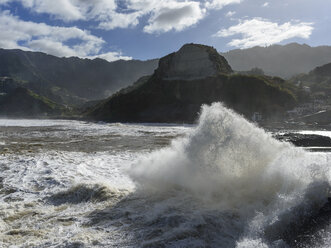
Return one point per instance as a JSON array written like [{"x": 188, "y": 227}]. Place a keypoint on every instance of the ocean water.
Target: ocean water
[{"x": 221, "y": 183}]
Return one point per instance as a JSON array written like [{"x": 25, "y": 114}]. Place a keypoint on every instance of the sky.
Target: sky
[{"x": 147, "y": 29}]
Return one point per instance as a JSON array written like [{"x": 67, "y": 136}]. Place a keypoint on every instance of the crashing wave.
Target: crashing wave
[{"x": 229, "y": 164}]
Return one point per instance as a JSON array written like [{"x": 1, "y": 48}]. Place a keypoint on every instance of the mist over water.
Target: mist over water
[{"x": 222, "y": 183}]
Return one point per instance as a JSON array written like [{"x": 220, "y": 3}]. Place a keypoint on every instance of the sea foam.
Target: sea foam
[{"x": 232, "y": 165}]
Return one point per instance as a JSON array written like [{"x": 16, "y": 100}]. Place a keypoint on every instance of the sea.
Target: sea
[{"x": 222, "y": 182}]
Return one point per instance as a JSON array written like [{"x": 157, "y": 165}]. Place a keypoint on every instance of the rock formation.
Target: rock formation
[
  {"x": 305, "y": 140},
  {"x": 185, "y": 80},
  {"x": 191, "y": 62}
]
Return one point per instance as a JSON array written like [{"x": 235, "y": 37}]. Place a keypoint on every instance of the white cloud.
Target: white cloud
[
  {"x": 167, "y": 15},
  {"x": 119, "y": 20},
  {"x": 110, "y": 56},
  {"x": 219, "y": 4},
  {"x": 61, "y": 9},
  {"x": 54, "y": 40},
  {"x": 162, "y": 15},
  {"x": 261, "y": 32},
  {"x": 70, "y": 10},
  {"x": 266, "y": 4},
  {"x": 174, "y": 16},
  {"x": 51, "y": 47},
  {"x": 230, "y": 13}
]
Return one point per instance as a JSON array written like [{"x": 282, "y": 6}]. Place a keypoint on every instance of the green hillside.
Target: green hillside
[{"x": 23, "y": 102}]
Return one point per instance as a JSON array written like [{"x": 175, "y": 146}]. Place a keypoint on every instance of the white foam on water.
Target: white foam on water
[
  {"x": 50, "y": 194},
  {"x": 89, "y": 128},
  {"x": 48, "y": 191},
  {"x": 226, "y": 183}
]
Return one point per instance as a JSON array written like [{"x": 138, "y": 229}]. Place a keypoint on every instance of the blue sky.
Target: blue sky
[{"x": 146, "y": 29}]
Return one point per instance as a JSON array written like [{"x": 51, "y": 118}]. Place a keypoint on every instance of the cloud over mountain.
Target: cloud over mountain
[
  {"x": 163, "y": 15},
  {"x": 159, "y": 16},
  {"x": 262, "y": 32},
  {"x": 55, "y": 40},
  {"x": 145, "y": 29}
]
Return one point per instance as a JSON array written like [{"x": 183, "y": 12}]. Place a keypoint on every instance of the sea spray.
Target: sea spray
[
  {"x": 232, "y": 165},
  {"x": 225, "y": 157}
]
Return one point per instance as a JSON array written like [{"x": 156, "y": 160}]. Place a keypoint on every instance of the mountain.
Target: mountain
[
  {"x": 322, "y": 71},
  {"x": 22, "y": 102},
  {"x": 71, "y": 80},
  {"x": 318, "y": 80},
  {"x": 8, "y": 85},
  {"x": 277, "y": 60},
  {"x": 192, "y": 61},
  {"x": 318, "y": 77},
  {"x": 186, "y": 79}
]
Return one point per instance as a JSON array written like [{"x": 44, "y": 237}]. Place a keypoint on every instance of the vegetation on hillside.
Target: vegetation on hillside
[
  {"x": 156, "y": 100},
  {"x": 23, "y": 102},
  {"x": 318, "y": 81}
]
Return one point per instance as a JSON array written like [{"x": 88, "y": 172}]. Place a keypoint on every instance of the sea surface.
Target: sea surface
[{"x": 223, "y": 182}]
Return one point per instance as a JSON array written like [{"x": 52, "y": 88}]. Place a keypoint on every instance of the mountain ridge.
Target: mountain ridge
[
  {"x": 279, "y": 60},
  {"x": 83, "y": 78}
]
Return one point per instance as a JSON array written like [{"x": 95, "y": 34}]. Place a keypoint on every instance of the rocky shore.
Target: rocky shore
[{"x": 305, "y": 140}]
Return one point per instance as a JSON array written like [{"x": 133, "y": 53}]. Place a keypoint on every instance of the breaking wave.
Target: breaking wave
[{"x": 230, "y": 167}]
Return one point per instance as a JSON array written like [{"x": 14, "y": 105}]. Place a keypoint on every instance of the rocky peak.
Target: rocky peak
[{"x": 192, "y": 61}]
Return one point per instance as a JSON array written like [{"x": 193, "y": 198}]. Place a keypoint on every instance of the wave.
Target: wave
[{"x": 230, "y": 165}]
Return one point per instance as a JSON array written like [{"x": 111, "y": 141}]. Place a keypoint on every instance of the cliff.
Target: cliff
[
  {"x": 175, "y": 92},
  {"x": 191, "y": 62}
]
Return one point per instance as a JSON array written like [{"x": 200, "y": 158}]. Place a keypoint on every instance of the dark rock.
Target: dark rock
[
  {"x": 306, "y": 140},
  {"x": 192, "y": 61}
]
